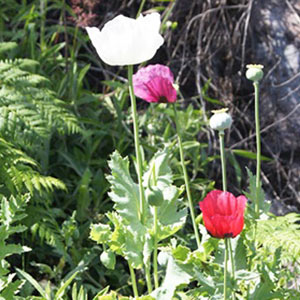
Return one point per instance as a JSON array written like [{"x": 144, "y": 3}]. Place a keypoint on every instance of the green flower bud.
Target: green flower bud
[
  {"x": 154, "y": 196},
  {"x": 254, "y": 72},
  {"x": 221, "y": 120},
  {"x": 108, "y": 259}
]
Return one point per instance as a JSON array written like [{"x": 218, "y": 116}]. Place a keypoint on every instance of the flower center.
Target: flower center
[
  {"x": 163, "y": 99},
  {"x": 228, "y": 235}
]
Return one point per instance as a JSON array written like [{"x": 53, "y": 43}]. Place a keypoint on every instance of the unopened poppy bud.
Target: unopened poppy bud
[
  {"x": 108, "y": 259},
  {"x": 254, "y": 72},
  {"x": 154, "y": 196},
  {"x": 221, "y": 120}
]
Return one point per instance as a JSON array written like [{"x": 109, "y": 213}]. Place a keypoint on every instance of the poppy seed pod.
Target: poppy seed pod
[
  {"x": 223, "y": 213},
  {"x": 254, "y": 72},
  {"x": 154, "y": 83},
  {"x": 221, "y": 120},
  {"x": 126, "y": 41}
]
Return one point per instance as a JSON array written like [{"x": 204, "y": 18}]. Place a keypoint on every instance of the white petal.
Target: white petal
[{"x": 126, "y": 41}]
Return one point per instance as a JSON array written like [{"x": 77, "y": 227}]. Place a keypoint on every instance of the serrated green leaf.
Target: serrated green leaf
[
  {"x": 181, "y": 253},
  {"x": 124, "y": 191},
  {"x": 126, "y": 242},
  {"x": 171, "y": 217},
  {"x": 176, "y": 275},
  {"x": 252, "y": 194},
  {"x": 100, "y": 233}
]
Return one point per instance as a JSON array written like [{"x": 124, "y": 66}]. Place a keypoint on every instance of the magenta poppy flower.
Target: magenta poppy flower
[
  {"x": 154, "y": 83},
  {"x": 223, "y": 213}
]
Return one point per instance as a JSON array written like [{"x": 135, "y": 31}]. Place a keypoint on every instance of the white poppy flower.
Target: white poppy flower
[{"x": 126, "y": 41}]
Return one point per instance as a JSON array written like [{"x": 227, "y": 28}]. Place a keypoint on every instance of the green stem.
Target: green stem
[
  {"x": 133, "y": 281},
  {"x": 43, "y": 10},
  {"x": 232, "y": 265},
  {"x": 231, "y": 259},
  {"x": 148, "y": 276},
  {"x": 225, "y": 268},
  {"x": 223, "y": 161},
  {"x": 186, "y": 179},
  {"x": 137, "y": 146},
  {"x": 258, "y": 146},
  {"x": 228, "y": 246},
  {"x": 155, "y": 273},
  {"x": 140, "y": 8}
]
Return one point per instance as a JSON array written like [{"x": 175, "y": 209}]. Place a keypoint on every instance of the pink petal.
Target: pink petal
[{"x": 154, "y": 83}]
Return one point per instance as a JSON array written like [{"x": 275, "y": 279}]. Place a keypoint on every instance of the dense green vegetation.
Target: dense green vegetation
[{"x": 59, "y": 127}]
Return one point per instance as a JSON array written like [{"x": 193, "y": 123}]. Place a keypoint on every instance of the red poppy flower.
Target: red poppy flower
[
  {"x": 223, "y": 214},
  {"x": 154, "y": 83}
]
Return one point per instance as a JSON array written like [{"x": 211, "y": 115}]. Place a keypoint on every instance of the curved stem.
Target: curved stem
[
  {"x": 223, "y": 161},
  {"x": 133, "y": 281},
  {"x": 137, "y": 146},
  {"x": 186, "y": 179},
  {"x": 258, "y": 146},
  {"x": 225, "y": 268}
]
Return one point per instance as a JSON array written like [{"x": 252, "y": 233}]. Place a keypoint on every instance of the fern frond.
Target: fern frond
[
  {"x": 19, "y": 172},
  {"x": 29, "y": 110},
  {"x": 30, "y": 113},
  {"x": 281, "y": 232},
  {"x": 7, "y": 47}
]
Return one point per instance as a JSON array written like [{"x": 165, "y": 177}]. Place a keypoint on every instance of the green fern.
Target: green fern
[
  {"x": 7, "y": 47},
  {"x": 281, "y": 232},
  {"x": 27, "y": 104},
  {"x": 18, "y": 172},
  {"x": 30, "y": 114},
  {"x": 11, "y": 213}
]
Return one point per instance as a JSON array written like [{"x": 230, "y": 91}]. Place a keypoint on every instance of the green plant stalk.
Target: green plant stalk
[
  {"x": 258, "y": 146},
  {"x": 232, "y": 265},
  {"x": 43, "y": 11},
  {"x": 148, "y": 276},
  {"x": 223, "y": 161},
  {"x": 137, "y": 147},
  {"x": 155, "y": 273},
  {"x": 224, "y": 182},
  {"x": 225, "y": 268},
  {"x": 133, "y": 281},
  {"x": 232, "y": 259},
  {"x": 186, "y": 179},
  {"x": 140, "y": 8}
]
